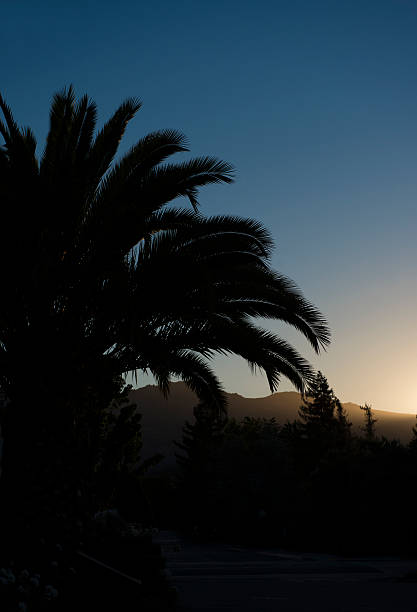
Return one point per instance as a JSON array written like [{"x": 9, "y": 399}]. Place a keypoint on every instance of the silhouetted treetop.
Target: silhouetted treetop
[{"x": 369, "y": 422}]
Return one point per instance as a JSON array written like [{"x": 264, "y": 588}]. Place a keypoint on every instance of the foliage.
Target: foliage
[
  {"x": 118, "y": 466},
  {"x": 221, "y": 465},
  {"x": 116, "y": 281},
  {"x": 370, "y": 422},
  {"x": 321, "y": 409},
  {"x": 323, "y": 423},
  {"x": 413, "y": 441},
  {"x": 312, "y": 483},
  {"x": 102, "y": 275}
]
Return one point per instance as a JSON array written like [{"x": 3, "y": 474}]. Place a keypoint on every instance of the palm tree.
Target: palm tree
[{"x": 101, "y": 276}]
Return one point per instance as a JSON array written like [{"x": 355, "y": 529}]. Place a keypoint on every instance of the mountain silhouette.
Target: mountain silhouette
[{"x": 163, "y": 417}]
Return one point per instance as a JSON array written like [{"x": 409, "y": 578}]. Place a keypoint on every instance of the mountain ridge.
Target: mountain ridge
[{"x": 164, "y": 417}]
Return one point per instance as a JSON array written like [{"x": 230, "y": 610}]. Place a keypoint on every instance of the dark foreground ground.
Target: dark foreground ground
[{"x": 226, "y": 577}]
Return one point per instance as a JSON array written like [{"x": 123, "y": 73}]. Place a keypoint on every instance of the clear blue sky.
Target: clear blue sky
[{"x": 314, "y": 102}]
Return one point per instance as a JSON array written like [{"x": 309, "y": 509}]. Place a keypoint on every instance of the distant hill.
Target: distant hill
[{"x": 163, "y": 419}]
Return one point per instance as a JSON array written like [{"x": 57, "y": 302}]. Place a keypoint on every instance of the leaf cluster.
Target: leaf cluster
[{"x": 99, "y": 270}]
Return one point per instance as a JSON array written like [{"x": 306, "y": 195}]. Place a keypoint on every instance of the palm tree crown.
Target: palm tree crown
[{"x": 100, "y": 273}]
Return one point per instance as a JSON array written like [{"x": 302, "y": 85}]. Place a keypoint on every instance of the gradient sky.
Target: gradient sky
[{"x": 314, "y": 102}]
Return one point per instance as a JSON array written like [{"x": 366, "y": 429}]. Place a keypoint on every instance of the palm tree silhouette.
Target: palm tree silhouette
[
  {"x": 101, "y": 275},
  {"x": 104, "y": 268}
]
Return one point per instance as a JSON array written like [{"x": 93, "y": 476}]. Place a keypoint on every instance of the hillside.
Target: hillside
[{"x": 163, "y": 419}]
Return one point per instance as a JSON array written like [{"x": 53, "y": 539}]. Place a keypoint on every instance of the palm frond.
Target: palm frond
[
  {"x": 12, "y": 128},
  {"x": 108, "y": 139},
  {"x": 185, "y": 178},
  {"x": 147, "y": 153},
  {"x": 85, "y": 117},
  {"x": 195, "y": 372},
  {"x": 60, "y": 119},
  {"x": 20, "y": 144}
]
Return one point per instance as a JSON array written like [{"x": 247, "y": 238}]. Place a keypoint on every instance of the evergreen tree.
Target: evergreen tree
[
  {"x": 370, "y": 422},
  {"x": 199, "y": 441},
  {"x": 322, "y": 414},
  {"x": 199, "y": 464},
  {"x": 413, "y": 442},
  {"x": 342, "y": 419}
]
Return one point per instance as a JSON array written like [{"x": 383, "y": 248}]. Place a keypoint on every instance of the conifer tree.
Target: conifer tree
[
  {"x": 198, "y": 462},
  {"x": 199, "y": 441},
  {"x": 413, "y": 442},
  {"x": 322, "y": 414},
  {"x": 369, "y": 426}
]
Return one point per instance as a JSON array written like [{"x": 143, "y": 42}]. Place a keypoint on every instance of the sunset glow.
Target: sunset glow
[{"x": 319, "y": 117}]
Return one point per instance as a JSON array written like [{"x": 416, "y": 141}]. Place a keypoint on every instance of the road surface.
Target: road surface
[{"x": 226, "y": 577}]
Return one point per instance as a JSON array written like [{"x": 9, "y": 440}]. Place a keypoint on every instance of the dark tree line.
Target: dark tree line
[{"x": 310, "y": 483}]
